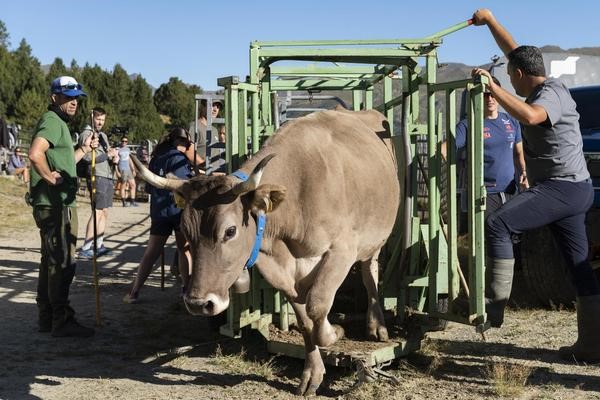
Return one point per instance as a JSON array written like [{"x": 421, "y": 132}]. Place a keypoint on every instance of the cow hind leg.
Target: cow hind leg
[
  {"x": 330, "y": 274},
  {"x": 376, "y": 329}
]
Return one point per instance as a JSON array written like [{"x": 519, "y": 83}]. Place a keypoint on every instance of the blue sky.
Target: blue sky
[{"x": 199, "y": 41}]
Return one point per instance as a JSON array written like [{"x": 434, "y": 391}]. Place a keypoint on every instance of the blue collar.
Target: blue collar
[{"x": 261, "y": 221}]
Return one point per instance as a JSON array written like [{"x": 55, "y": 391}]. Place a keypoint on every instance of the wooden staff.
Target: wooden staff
[{"x": 95, "y": 246}]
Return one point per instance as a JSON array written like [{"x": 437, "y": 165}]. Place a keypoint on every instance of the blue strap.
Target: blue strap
[
  {"x": 239, "y": 174},
  {"x": 260, "y": 228}
]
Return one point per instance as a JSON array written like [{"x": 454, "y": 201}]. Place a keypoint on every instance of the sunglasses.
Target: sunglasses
[{"x": 72, "y": 86}]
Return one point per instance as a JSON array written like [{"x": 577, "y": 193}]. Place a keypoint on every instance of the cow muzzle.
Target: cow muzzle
[{"x": 206, "y": 306}]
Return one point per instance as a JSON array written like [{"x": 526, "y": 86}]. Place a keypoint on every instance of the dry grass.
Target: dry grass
[
  {"x": 508, "y": 379},
  {"x": 15, "y": 214},
  {"x": 237, "y": 364},
  {"x": 433, "y": 350}
]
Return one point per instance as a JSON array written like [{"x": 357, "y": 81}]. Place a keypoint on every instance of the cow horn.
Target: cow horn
[
  {"x": 254, "y": 179},
  {"x": 155, "y": 180}
]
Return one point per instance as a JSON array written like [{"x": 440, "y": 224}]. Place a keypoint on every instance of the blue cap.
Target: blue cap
[{"x": 68, "y": 86}]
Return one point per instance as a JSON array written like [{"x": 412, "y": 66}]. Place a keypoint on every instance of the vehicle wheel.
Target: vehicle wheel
[{"x": 544, "y": 269}]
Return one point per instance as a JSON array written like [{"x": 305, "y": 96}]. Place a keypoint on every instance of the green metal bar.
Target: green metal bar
[
  {"x": 476, "y": 200},
  {"x": 232, "y": 125},
  {"x": 432, "y": 187},
  {"x": 451, "y": 29},
  {"x": 242, "y": 126},
  {"x": 265, "y": 98},
  {"x": 388, "y": 94},
  {"x": 356, "y": 99},
  {"x": 318, "y": 84},
  {"x": 369, "y": 98},
  {"x": 453, "y": 275},
  {"x": 441, "y": 267},
  {"x": 248, "y": 87},
  {"x": 366, "y": 42},
  {"x": 450, "y": 85},
  {"x": 254, "y": 79},
  {"x": 306, "y": 53},
  {"x": 389, "y": 105},
  {"x": 338, "y": 70}
]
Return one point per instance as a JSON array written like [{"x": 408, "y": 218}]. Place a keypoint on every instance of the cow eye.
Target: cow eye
[{"x": 229, "y": 233}]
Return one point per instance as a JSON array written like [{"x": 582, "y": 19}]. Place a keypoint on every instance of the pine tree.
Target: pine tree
[{"x": 175, "y": 99}]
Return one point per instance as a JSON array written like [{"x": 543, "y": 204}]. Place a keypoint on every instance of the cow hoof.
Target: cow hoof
[{"x": 309, "y": 383}]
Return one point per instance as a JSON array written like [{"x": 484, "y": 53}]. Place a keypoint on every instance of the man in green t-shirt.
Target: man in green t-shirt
[{"x": 53, "y": 189}]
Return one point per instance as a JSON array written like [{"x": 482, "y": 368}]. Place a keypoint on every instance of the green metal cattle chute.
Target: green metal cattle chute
[{"x": 421, "y": 273}]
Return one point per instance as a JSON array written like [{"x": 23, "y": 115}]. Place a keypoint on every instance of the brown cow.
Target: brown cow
[{"x": 330, "y": 194}]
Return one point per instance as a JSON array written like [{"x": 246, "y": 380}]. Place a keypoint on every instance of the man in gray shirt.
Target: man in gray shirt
[{"x": 561, "y": 191}]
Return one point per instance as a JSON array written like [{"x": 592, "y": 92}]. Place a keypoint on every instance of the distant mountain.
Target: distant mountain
[{"x": 585, "y": 51}]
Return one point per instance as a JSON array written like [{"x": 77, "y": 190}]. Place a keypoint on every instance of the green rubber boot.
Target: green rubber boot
[
  {"x": 587, "y": 346},
  {"x": 498, "y": 284}
]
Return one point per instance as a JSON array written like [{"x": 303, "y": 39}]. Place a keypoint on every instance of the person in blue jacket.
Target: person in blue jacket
[{"x": 168, "y": 157}]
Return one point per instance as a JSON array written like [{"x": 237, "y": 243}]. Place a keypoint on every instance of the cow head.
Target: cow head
[{"x": 219, "y": 222}]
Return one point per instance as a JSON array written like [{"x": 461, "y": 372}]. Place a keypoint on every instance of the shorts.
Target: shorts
[
  {"x": 165, "y": 226},
  {"x": 126, "y": 176},
  {"x": 105, "y": 190}
]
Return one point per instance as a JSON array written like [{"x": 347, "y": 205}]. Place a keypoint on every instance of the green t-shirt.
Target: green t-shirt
[{"x": 60, "y": 157}]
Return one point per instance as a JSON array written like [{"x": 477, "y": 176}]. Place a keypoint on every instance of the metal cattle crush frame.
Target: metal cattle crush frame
[{"x": 421, "y": 273}]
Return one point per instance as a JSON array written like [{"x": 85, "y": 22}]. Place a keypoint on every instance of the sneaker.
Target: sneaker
[
  {"x": 134, "y": 204},
  {"x": 125, "y": 204},
  {"x": 72, "y": 328},
  {"x": 102, "y": 251},
  {"x": 85, "y": 254},
  {"x": 130, "y": 298}
]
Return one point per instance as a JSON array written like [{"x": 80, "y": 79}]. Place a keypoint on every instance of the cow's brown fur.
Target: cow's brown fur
[{"x": 330, "y": 195}]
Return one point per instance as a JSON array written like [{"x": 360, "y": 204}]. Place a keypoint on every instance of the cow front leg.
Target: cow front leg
[
  {"x": 376, "y": 329},
  {"x": 314, "y": 369},
  {"x": 329, "y": 275}
]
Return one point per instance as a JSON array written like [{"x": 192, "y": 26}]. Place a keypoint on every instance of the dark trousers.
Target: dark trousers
[
  {"x": 560, "y": 204},
  {"x": 58, "y": 234}
]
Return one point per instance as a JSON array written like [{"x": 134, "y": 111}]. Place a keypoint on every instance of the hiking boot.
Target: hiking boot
[
  {"x": 72, "y": 328},
  {"x": 85, "y": 254}
]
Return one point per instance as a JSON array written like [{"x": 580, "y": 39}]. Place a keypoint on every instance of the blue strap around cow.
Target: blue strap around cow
[
  {"x": 239, "y": 174},
  {"x": 260, "y": 227},
  {"x": 261, "y": 221}
]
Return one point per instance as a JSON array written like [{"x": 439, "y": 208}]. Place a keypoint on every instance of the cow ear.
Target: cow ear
[{"x": 267, "y": 198}]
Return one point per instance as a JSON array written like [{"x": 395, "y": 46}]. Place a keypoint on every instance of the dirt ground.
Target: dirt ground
[{"x": 155, "y": 350}]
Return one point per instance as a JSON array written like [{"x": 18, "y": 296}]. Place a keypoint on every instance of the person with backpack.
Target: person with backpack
[{"x": 106, "y": 158}]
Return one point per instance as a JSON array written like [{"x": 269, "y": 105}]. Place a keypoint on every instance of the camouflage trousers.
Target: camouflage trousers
[{"x": 58, "y": 234}]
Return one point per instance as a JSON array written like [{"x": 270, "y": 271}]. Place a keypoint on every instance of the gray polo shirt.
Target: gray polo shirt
[{"x": 554, "y": 149}]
